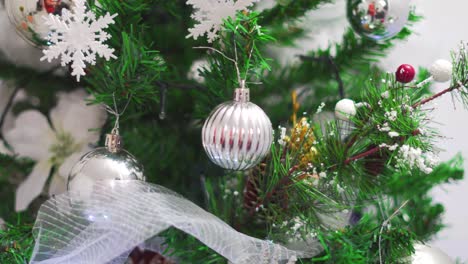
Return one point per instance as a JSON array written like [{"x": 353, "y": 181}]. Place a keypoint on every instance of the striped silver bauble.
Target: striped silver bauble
[{"x": 238, "y": 134}]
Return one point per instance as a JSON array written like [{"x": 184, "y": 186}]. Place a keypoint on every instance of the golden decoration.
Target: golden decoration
[
  {"x": 295, "y": 106},
  {"x": 302, "y": 140}
]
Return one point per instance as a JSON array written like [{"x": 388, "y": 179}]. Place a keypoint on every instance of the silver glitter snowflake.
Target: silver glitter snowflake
[
  {"x": 210, "y": 15},
  {"x": 77, "y": 37}
]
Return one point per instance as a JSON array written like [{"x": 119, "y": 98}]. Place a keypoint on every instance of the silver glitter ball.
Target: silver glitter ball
[
  {"x": 378, "y": 19},
  {"x": 238, "y": 134},
  {"x": 26, "y": 16},
  {"x": 103, "y": 164}
]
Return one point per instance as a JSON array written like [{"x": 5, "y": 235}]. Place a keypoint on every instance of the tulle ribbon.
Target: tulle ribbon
[{"x": 103, "y": 223}]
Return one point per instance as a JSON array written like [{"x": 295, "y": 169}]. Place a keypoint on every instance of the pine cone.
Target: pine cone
[
  {"x": 253, "y": 190},
  {"x": 139, "y": 256}
]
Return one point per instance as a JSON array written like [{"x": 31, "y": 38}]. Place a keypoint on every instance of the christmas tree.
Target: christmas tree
[{"x": 326, "y": 159}]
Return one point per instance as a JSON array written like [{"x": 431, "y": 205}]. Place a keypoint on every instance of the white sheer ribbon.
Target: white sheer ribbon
[{"x": 103, "y": 224}]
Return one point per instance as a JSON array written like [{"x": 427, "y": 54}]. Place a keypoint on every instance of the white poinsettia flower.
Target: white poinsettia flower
[
  {"x": 194, "y": 72},
  {"x": 59, "y": 144},
  {"x": 6, "y": 91},
  {"x": 3, "y": 149}
]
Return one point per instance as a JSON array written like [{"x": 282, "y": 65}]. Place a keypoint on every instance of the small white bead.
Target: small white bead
[
  {"x": 345, "y": 109},
  {"x": 441, "y": 70}
]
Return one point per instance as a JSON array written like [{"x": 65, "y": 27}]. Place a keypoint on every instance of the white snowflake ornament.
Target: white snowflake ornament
[
  {"x": 210, "y": 15},
  {"x": 77, "y": 37}
]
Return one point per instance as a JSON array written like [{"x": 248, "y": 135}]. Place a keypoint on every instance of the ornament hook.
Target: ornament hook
[{"x": 113, "y": 140}]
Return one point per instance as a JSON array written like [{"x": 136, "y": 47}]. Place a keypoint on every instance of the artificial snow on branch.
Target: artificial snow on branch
[
  {"x": 210, "y": 15},
  {"x": 77, "y": 36}
]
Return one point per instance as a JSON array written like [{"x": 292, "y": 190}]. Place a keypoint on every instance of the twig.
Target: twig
[
  {"x": 362, "y": 155},
  {"x": 416, "y": 132},
  {"x": 7, "y": 109},
  {"x": 437, "y": 95},
  {"x": 336, "y": 70},
  {"x": 385, "y": 224},
  {"x": 370, "y": 151}
]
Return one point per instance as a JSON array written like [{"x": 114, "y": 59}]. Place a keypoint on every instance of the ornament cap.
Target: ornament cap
[
  {"x": 113, "y": 142},
  {"x": 242, "y": 95}
]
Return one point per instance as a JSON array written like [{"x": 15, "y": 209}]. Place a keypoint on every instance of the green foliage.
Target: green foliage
[
  {"x": 417, "y": 184},
  {"x": 460, "y": 72},
  {"x": 242, "y": 40},
  {"x": 16, "y": 243},
  {"x": 138, "y": 66},
  {"x": 186, "y": 249},
  {"x": 287, "y": 10},
  {"x": 360, "y": 243},
  {"x": 11, "y": 171}
]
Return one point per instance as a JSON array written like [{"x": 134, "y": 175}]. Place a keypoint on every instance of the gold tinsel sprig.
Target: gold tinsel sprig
[{"x": 300, "y": 141}]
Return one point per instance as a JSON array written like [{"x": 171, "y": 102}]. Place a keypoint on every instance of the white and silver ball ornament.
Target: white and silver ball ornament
[
  {"x": 27, "y": 17},
  {"x": 237, "y": 134},
  {"x": 103, "y": 164},
  {"x": 378, "y": 19},
  {"x": 429, "y": 255},
  {"x": 345, "y": 109},
  {"x": 441, "y": 70}
]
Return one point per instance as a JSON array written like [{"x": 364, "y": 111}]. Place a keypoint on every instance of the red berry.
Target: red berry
[{"x": 405, "y": 73}]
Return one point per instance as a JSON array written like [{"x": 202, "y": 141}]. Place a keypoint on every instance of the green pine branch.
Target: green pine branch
[{"x": 286, "y": 10}]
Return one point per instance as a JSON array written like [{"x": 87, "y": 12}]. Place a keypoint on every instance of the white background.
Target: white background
[{"x": 445, "y": 24}]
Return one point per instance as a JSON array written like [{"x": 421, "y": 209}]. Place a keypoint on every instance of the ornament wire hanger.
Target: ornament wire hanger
[
  {"x": 113, "y": 140},
  {"x": 115, "y": 112},
  {"x": 242, "y": 82}
]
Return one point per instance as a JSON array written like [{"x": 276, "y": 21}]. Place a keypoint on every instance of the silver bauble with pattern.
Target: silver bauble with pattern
[
  {"x": 238, "y": 134},
  {"x": 378, "y": 19}
]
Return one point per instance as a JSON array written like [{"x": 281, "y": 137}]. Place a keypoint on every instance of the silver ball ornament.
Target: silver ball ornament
[
  {"x": 429, "y": 255},
  {"x": 105, "y": 163},
  {"x": 27, "y": 17},
  {"x": 378, "y": 19},
  {"x": 237, "y": 134}
]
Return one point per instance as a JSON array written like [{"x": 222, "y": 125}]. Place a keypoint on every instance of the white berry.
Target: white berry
[
  {"x": 345, "y": 109},
  {"x": 441, "y": 70}
]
